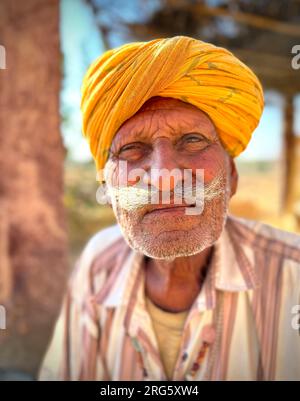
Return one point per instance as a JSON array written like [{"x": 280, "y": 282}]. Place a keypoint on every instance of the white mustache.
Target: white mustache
[{"x": 135, "y": 197}]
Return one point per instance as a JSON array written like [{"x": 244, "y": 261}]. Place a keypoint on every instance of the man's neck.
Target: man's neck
[{"x": 174, "y": 285}]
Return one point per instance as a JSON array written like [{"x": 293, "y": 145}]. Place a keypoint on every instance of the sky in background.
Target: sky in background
[{"x": 81, "y": 44}]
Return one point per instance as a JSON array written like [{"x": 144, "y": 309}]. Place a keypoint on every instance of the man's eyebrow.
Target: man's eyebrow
[
  {"x": 196, "y": 130},
  {"x": 134, "y": 134}
]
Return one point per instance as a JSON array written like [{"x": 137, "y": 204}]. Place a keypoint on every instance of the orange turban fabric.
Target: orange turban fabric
[{"x": 211, "y": 78}]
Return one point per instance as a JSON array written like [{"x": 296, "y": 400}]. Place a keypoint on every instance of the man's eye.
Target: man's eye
[
  {"x": 194, "y": 141},
  {"x": 131, "y": 151},
  {"x": 128, "y": 147},
  {"x": 193, "y": 138}
]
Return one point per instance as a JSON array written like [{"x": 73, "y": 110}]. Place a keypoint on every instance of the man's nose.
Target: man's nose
[{"x": 164, "y": 172}]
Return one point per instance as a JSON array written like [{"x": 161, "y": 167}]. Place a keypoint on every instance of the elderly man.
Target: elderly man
[{"x": 176, "y": 290}]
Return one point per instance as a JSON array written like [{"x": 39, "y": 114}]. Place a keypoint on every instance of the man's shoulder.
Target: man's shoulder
[
  {"x": 99, "y": 257},
  {"x": 266, "y": 237},
  {"x": 100, "y": 242}
]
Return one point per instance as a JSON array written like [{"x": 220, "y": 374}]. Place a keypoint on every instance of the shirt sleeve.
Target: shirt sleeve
[
  {"x": 76, "y": 350},
  {"x": 73, "y": 352},
  {"x": 56, "y": 362}
]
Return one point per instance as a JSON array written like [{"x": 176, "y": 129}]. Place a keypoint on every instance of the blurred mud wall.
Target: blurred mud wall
[{"x": 33, "y": 241}]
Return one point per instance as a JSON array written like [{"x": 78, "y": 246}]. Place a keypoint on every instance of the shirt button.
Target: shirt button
[
  {"x": 136, "y": 344},
  {"x": 208, "y": 334},
  {"x": 184, "y": 356}
]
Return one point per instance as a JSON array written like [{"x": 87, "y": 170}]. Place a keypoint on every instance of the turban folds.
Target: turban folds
[{"x": 211, "y": 78}]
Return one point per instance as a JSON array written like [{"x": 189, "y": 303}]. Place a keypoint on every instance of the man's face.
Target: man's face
[{"x": 169, "y": 134}]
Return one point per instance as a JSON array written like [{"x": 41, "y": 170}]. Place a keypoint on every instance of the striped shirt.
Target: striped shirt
[{"x": 243, "y": 324}]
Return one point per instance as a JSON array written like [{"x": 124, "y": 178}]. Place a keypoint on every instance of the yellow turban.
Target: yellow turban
[{"x": 211, "y": 78}]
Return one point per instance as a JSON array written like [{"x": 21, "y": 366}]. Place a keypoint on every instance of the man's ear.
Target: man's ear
[
  {"x": 108, "y": 197},
  {"x": 102, "y": 195},
  {"x": 234, "y": 176}
]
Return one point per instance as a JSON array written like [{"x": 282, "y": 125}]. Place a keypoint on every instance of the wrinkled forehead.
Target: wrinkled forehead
[
  {"x": 179, "y": 113},
  {"x": 159, "y": 102}
]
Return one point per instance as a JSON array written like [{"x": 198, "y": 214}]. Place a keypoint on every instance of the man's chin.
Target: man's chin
[
  {"x": 170, "y": 256},
  {"x": 180, "y": 236},
  {"x": 171, "y": 244},
  {"x": 167, "y": 254}
]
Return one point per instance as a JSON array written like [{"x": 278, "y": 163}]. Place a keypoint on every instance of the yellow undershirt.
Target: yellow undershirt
[{"x": 168, "y": 328}]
